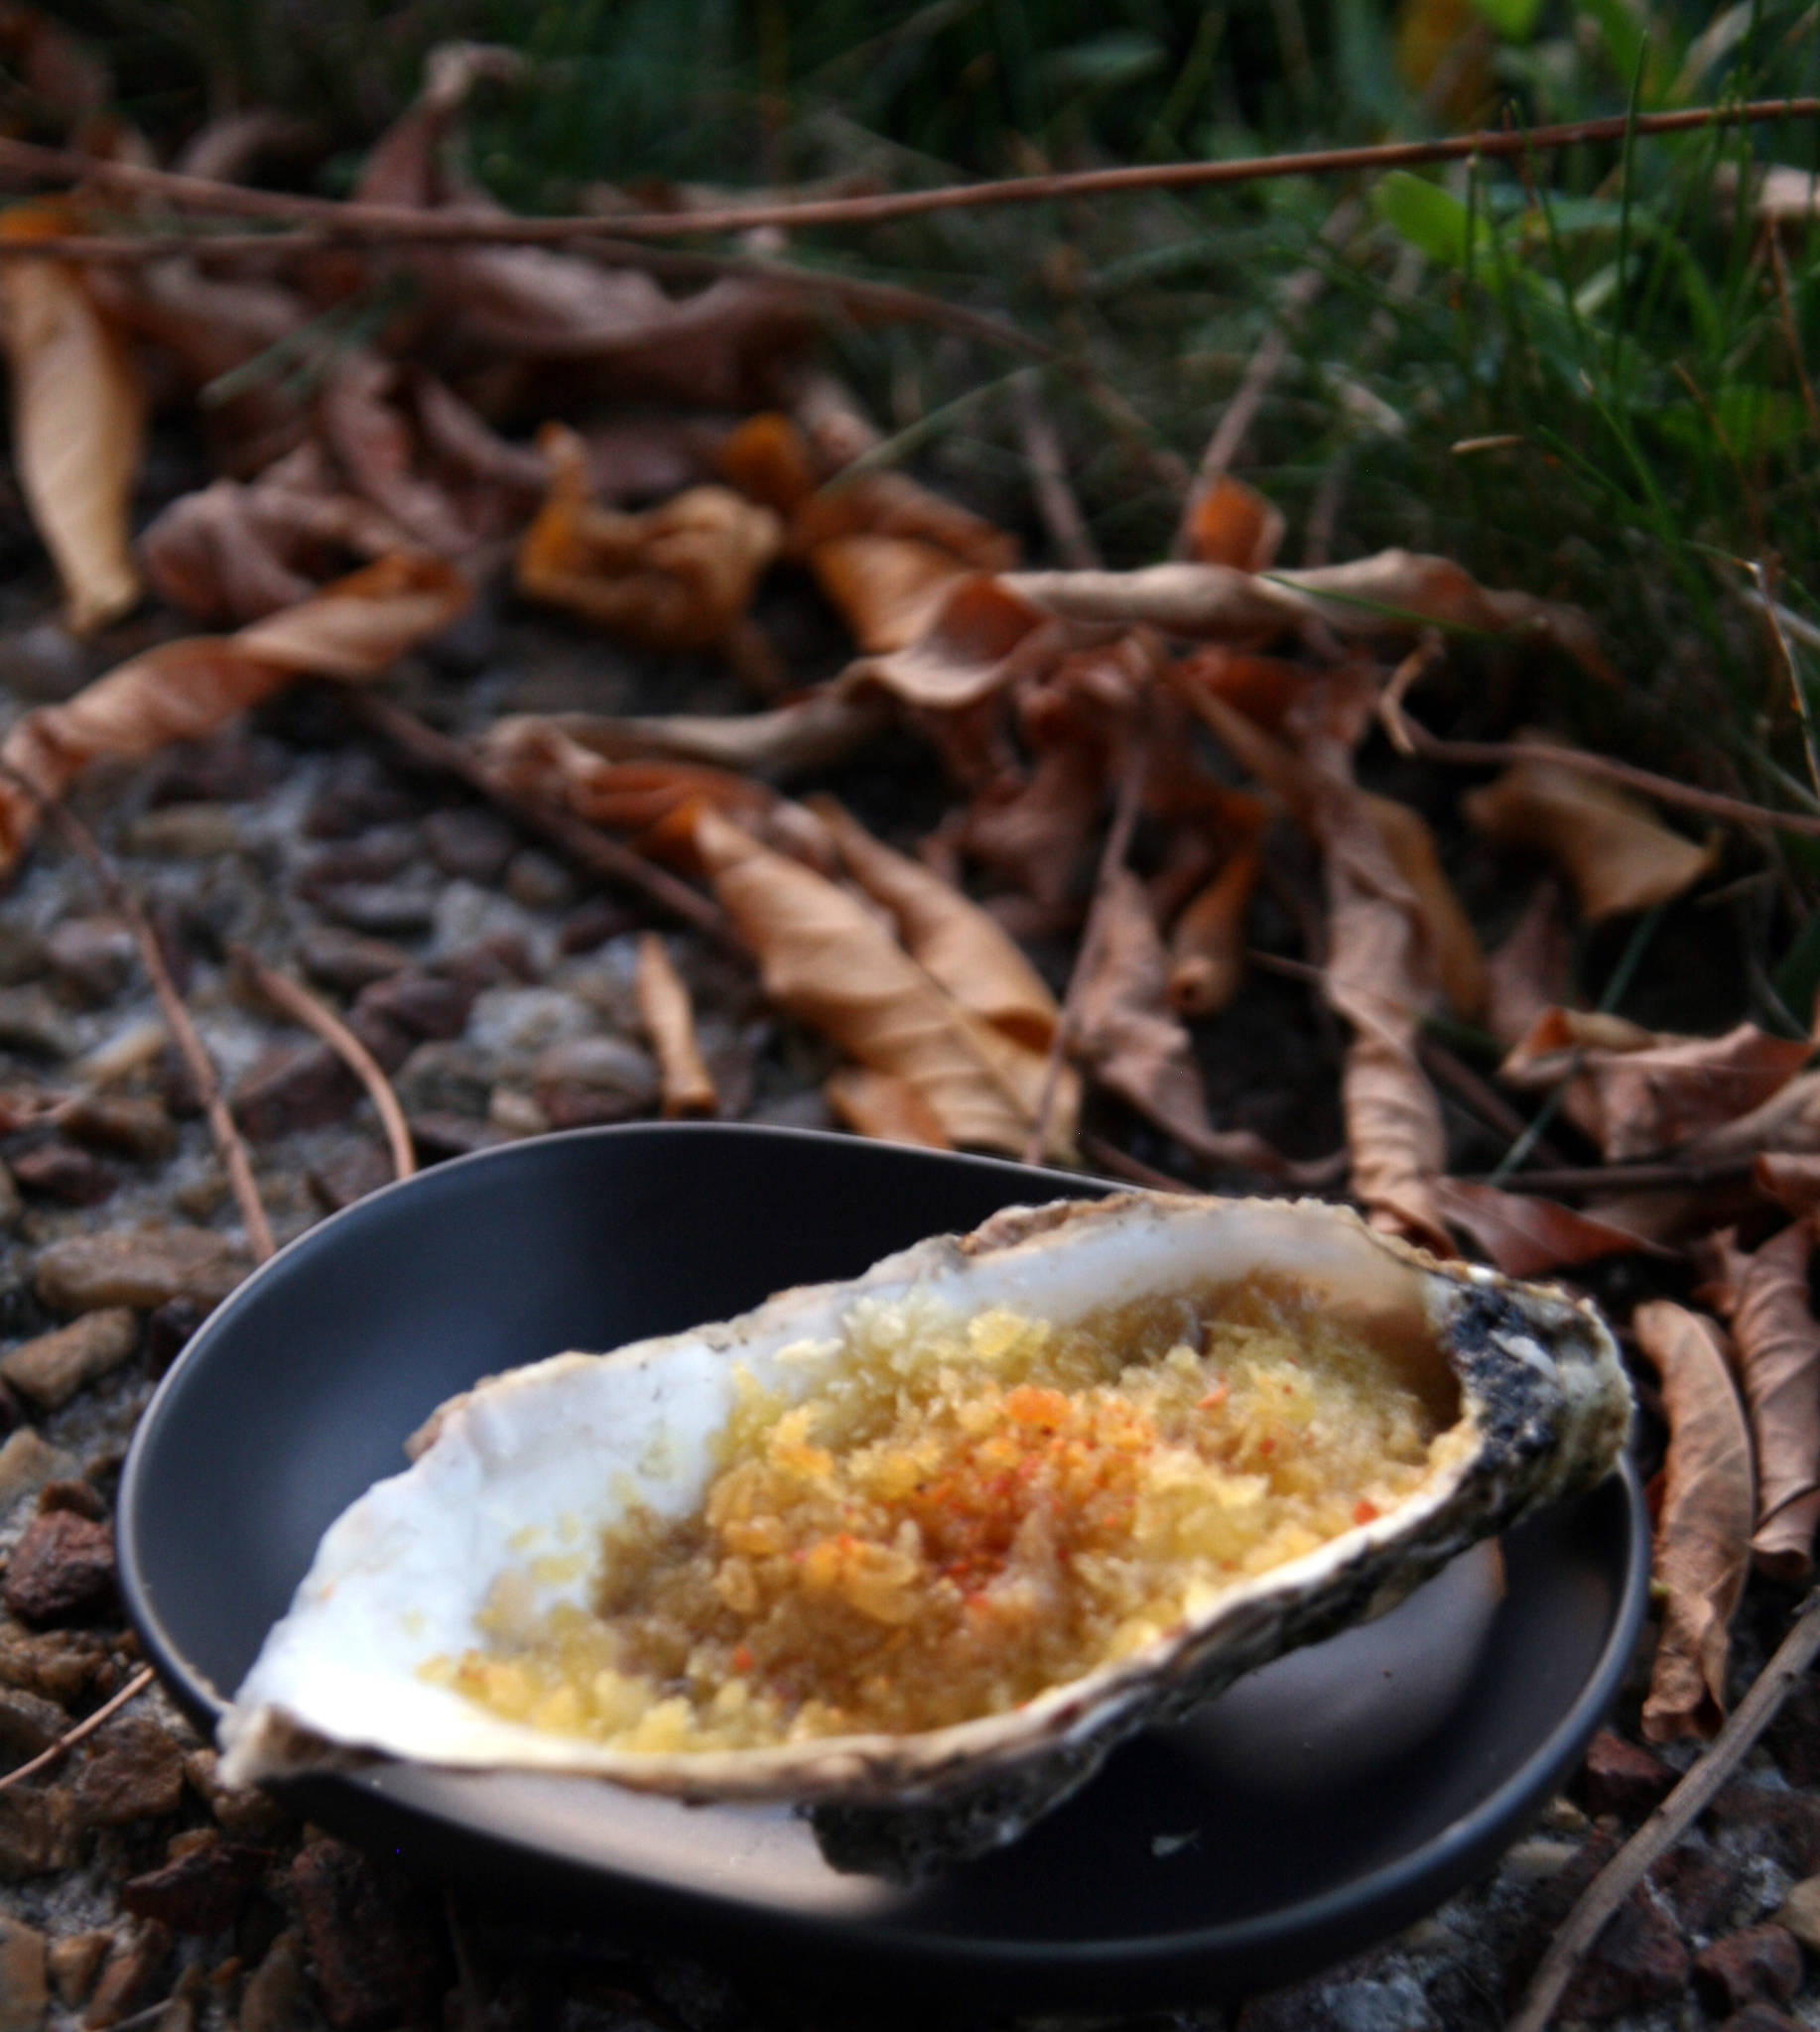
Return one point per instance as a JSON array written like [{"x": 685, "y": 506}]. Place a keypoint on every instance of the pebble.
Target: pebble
[
  {"x": 1619, "y": 1777},
  {"x": 422, "y": 1006},
  {"x": 64, "y": 1666},
  {"x": 349, "y": 1173},
  {"x": 502, "y": 959},
  {"x": 27, "y": 1724},
  {"x": 61, "y": 1571},
  {"x": 135, "y": 1961},
  {"x": 537, "y": 882},
  {"x": 25, "y": 1993},
  {"x": 200, "y": 1891},
  {"x": 168, "y": 1331},
  {"x": 76, "y": 1960},
  {"x": 24, "y": 955},
  {"x": 1779, "y": 1823},
  {"x": 360, "y": 793},
  {"x": 269, "y": 2003},
  {"x": 593, "y": 923},
  {"x": 26, "y": 1462},
  {"x": 43, "y": 662},
  {"x": 140, "y": 1267},
  {"x": 133, "y": 1770},
  {"x": 59, "y": 1171},
  {"x": 1639, "y": 1959},
  {"x": 242, "y": 1812},
  {"x": 516, "y": 1112},
  {"x": 37, "y": 1832},
  {"x": 185, "y": 833},
  {"x": 129, "y": 1051},
  {"x": 1701, "y": 1885},
  {"x": 380, "y": 907},
  {"x": 470, "y": 844},
  {"x": 230, "y": 770},
  {"x": 135, "y": 1125},
  {"x": 73, "y": 1493},
  {"x": 1800, "y": 1913},
  {"x": 91, "y": 957},
  {"x": 592, "y": 1079},
  {"x": 1762, "y": 1963},
  {"x": 438, "y": 1135},
  {"x": 515, "y": 1022},
  {"x": 445, "y": 1077},
  {"x": 345, "y": 960},
  {"x": 298, "y": 1086},
  {"x": 50, "y": 1370},
  {"x": 374, "y": 1948},
  {"x": 31, "y": 1022},
  {"x": 12, "y": 1200}
]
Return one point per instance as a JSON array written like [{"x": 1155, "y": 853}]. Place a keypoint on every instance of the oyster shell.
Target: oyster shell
[{"x": 552, "y": 1454}]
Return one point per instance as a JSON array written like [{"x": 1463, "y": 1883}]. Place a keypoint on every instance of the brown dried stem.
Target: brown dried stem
[
  {"x": 201, "y": 1066},
  {"x": 1055, "y": 497},
  {"x": 83, "y": 1728},
  {"x": 351, "y": 221},
  {"x": 1670, "y": 1820},
  {"x": 297, "y": 1002}
]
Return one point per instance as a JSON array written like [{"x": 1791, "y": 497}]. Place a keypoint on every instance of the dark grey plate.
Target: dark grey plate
[{"x": 1307, "y": 1814}]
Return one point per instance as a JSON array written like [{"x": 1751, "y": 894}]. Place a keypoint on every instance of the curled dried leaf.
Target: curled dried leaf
[
  {"x": 1792, "y": 1180},
  {"x": 1206, "y": 944},
  {"x": 1778, "y": 1357},
  {"x": 1613, "y": 849},
  {"x": 1232, "y": 523},
  {"x": 1790, "y": 1121},
  {"x": 79, "y": 419},
  {"x": 1526, "y": 1235},
  {"x": 880, "y": 1105},
  {"x": 886, "y": 589},
  {"x": 668, "y": 1016},
  {"x": 968, "y": 650},
  {"x": 180, "y": 691},
  {"x": 1703, "y": 1533},
  {"x": 1531, "y": 970},
  {"x": 1453, "y": 944}
]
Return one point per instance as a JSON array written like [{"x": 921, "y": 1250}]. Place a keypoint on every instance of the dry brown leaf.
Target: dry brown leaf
[
  {"x": 1394, "y": 1137},
  {"x": 1636, "y": 1092},
  {"x": 1531, "y": 971},
  {"x": 353, "y": 629},
  {"x": 665, "y": 1010},
  {"x": 1229, "y": 523},
  {"x": 78, "y": 420},
  {"x": 53, "y": 67},
  {"x": 970, "y": 649},
  {"x": 828, "y": 961},
  {"x": 768, "y": 459},
  {"x": 377, "y": 448},
  {"x": 1789, "y": 1121},
  {"x": 892, "y": 504},
  {"x": 1609, "y": 845},
  {"x": 1779, "y": 1357},
  {"x": 1703, "y": 1533},
  {"x": 1793, "y": 1182},
  {"x": 1265, "y": 689},
  {"x": 1206, "y": 944},
  {"x": 888, "y": 589},
  {"x": 950, "y": 937},
  {"x": 1452, "y": 941},
  {"x": 678, "y": 577},
  {"x": 1034, "y": 833},
  {"x": 880, "y": 1105},
  {"x": 1526, "y": 1235},
  {"x": 807, "y": 733}
]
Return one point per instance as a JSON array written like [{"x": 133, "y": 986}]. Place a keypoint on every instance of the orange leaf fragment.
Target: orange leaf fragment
[
  {"x": 1207, "y": 945},
  {"x": 881, "y": 1105},
  {"x": 888, "y": 589},
  {"x": 78, "y": 420},
  {"x": 1609, "y": 845},
  {"x": 1452, "y": 944},
  {"x": 665, "y": 1010},
  {"x": 1703, "y": 1532},
  {"x": 768, "y": 459},
  {"x": 1232, "y": 523}
]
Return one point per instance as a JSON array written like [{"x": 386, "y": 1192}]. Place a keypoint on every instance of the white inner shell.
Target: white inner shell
[{"x": 526, "y": 1470}]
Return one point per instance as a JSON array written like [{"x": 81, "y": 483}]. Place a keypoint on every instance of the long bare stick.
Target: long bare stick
[
  {"x": 1670, "y": 1820},
  {"x": 86, "y": 1727},
  {"x": 296, "y": 1001},
  {"x": 356, "y": 222},
  {"x": 201, "y": 1066}
]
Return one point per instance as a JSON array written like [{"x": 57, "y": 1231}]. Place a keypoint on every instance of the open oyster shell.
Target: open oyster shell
[{"x": 556, "y": 1451}]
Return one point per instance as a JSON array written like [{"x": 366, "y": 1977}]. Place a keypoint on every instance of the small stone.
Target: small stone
[
  {"x": 1782, "y": 1824},
  {"x": 374, "y": 1946},
  {"x": 74, "y": 1961},
  {"x": 439, "y": 1135},
  {"x": 230, "y": 770},
  {"x": 536, "y": 882},
  {"x": 501, "y": 961},
  {"x": 91, "y": 957},
  {"x": 50, "y": 1370},
  {"x": 1762, "y": 1963},
  {"x": 200, "y": 1892},
  {"x": 31, "y": 1022},
  {"x": 133, "y": 1771},
  {"x": 185, "y": 833},
  {"x": 1639, "y": 1959},
  {"x": 470, "y": 844},
  {"x": 24, "y": 955},
  {"x": 64, "y": 1666},
  {"x": 242, "y": 1812},
  {"x": 422, "y": 1005},
  {"x": 135, "y": 1125},
  {"x": 348, "y": 1174},
  {"x": 590, "y": 1080},
  {"x": 29, "y": 1724},
  {"x": 73, "y": 1493},
  {"x": 343, "y": 960},
  {"x": 135, "y": 1961},
  {"x": 1800, "y": 1913},
  {"x": 1621, "y": 1778},
  {"x": 302, "y": 1087},
  {"x": 275, "y": 1988},
  {"x": 139, "y": 1267},
  {"x": 26, "y": 1462},
  {"x": 43, "y": 662},
  {"x": 516, "y": 1113},
  {"x": 59, "y": 1171},
  {"x": 12, "y": 1200},
  {"x": 29, "y": 1826},
  {"x": 360, "y": 793},
  {"x": 1701, "y": 1886},
  {"x": 168, "y": 1331},
  {"x": 128, "y": 1053},
  {"x": 448, "y": 1078},
  {"x": 62, "y": 1572},
  {"x": 380, "y": 907},
  {"x": 25, "y": 1995},
  {"x": 592, "y": 924}
]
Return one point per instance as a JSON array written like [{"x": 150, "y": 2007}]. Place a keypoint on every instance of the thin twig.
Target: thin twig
[
  {"x": 1134, "y": 1170},
  {"x": 1475, "y": 1093},
  {"x": 349, "y": 220},
  {"x": 1778, "y": 267},
  {"x": 1412, "y": 738},
  {"x": 1612, "y": 1178},
  {"x": 1670, "y": 1820},
  {"x": 1111, "y": 862},
  {"x": 83, "y": 1729},
  {"x": 314, "y": 1015},
  {"x": 1797, "y": 696},
  {"x": 1055, "y": 498},
  {"x": 227, "y": 1140},
  {"x": 603, "y": 857}
]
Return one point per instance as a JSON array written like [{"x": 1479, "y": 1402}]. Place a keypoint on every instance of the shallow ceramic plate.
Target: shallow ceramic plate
[{"x": 1318, "y": 1806}]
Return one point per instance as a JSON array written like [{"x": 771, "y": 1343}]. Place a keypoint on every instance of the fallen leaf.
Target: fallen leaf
[
  {"x": 1207, "y": 943},
  {"x": 892, "y": 504},
  {"x": 678, "y": 577},
  {"x": 352, "y": 630},
  {"x": 665, "y": 1010},
  {"x": 1526, "y": 1235},
  {"x": 78, "y": 420},
  {"x": 1034, "y": 831},
  {"x": 1395, "y": 1136},
  {"x": 947, "y": 934},
  {"x": 1789, "y": 1121},
  {"x": 376, "y": 448},
  {"x": 538, "y": 757},
  {"x": 1793, "y": 1182},
  {"x": 826, "y": 958},
  {"x": 1265, "y": 689},
  {"x": 1229, "y": 523},
  {"x": 886, "y": 589},
  {"x": 769, "y": 460},
  {"x": 970, "y": 649},
  {"x": 1609, "y": 845},
  {"x": 1531, "y": 970},
  {"x": 1454, "y": 945},
  {"x": 809, "y": 733},
  {"x": 1779, "y": 1357},
  {"x": 1703, "y": 1532},
  {"x": 881, "y": 1105}
]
